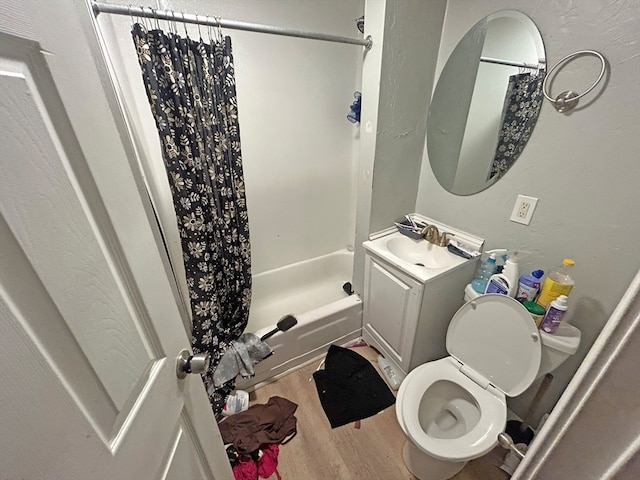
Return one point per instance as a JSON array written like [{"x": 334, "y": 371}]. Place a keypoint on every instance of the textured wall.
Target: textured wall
[
  {"x": 405, "y": 82},
  {"x": 584, "y": 167}
]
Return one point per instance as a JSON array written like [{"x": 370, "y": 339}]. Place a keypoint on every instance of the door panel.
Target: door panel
[
  {"x": 183, "y": 460},
  {"x": 51, "y": 218}
]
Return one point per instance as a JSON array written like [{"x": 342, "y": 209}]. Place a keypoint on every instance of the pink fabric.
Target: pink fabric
[
  {"x": 245, "y": 469},
  {"x": 267, "y": 465},
  {"x": 268, "y": 462}
]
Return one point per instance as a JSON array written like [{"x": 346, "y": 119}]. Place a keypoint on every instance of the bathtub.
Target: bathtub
[{"x": 312, "y": 291}]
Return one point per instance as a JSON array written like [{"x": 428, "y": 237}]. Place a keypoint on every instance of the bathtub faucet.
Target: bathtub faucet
[{"x": 432, "y": 235}]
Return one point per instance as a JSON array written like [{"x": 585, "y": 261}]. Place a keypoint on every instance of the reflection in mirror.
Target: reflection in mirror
[{"x": 486, "y": 102}]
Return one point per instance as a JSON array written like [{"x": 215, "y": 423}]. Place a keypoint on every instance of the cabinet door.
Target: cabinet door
[{"x": 391, "y": 308}]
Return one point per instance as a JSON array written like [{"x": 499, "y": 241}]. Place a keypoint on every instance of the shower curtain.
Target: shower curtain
[
  {"x": 191, "y": 90},
  {"x": 519, "y": 115}
]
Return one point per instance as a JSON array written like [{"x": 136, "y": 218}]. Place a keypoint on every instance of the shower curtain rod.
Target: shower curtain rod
[
  {"x": 510, "y": 63},
  {"x": 148, "y": 12}
]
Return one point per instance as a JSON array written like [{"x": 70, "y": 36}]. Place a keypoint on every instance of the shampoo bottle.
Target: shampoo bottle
[
  {"x": 554, "y": 314},
  {"x": 558, "y": 282}
]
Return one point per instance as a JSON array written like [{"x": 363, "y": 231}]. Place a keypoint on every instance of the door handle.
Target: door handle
[{"x": 188, "y": 363}]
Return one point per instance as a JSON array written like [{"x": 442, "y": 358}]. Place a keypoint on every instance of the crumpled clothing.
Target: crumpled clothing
[
  {"x": 260, "y": 425},
  {"x": 240, "y": 358},
  {"x": 248, "y": 469},
  {"x": 268, "y": 462},
  {"x": 245, "y": 469}
]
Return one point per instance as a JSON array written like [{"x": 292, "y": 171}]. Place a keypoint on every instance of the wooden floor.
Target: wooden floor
[{"x": 373, "y": 452}]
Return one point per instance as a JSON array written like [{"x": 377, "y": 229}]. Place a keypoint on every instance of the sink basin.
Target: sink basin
[
  {"x": 419, "y": 258},
  {"x": 421, "y": 253}
]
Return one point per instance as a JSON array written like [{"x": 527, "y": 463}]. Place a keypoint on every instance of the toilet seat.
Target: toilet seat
[
  {"x": 477, "y": 441},
  {"x": 495, "y": 336},
  {"x": 495, "y": 342}
]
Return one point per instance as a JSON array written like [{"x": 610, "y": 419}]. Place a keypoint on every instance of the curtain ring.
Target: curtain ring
[
  {"x": 219, "y": 32},
  {"x": 184, "y": 24},
  {"x": 198, "y": 23},
  {"x": 171, "y": 23},
  {"x": 142, "y": 20},
  {"x": 155, "y": 18},
  {"x": 209, "y": 29}
]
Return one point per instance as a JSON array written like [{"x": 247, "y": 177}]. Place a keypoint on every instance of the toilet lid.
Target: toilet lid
[{"x": 496, "y": 337}]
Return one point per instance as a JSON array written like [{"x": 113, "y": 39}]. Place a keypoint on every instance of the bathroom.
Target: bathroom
[
  {"x": 583, "y": 166},
  {"x": 293, "y": 120}
]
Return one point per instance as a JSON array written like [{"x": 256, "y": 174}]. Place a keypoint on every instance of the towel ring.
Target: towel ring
[{"x": 568, "y": 100}]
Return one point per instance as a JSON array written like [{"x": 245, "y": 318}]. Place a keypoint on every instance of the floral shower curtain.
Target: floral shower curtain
[
  {"x": 519, "y": 115},
  {"x": 191, "y": 90}
]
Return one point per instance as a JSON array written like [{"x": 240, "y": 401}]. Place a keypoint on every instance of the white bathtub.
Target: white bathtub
[{"x": 310, "y": 290}]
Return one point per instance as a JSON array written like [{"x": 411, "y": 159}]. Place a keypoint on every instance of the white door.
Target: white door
[{"x": 91, "y": 324}]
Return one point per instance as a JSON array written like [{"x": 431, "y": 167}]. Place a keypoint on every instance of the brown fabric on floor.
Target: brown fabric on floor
[{"x": 261, "y": 424}]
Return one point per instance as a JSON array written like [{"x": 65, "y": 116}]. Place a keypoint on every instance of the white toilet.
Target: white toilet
[{"x": 453, "y": 409}]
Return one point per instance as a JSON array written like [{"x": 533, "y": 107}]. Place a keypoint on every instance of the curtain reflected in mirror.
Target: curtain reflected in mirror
[{"x": 519, "y": 115}]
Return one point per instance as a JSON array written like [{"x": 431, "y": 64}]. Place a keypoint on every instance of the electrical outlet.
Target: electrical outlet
[{"x": 523, "y": 209}]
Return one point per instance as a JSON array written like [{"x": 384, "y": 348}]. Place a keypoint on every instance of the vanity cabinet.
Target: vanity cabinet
[{"x": 407, "y": 319}]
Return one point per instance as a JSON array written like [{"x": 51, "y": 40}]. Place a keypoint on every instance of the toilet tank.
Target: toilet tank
[{"x": 558, "y": 347}]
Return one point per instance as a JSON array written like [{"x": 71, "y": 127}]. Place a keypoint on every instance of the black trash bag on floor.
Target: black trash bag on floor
[{"x": 350, "y": 388}]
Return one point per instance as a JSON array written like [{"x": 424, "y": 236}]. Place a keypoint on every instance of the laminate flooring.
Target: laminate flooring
[{"x": 372, "y": 452}]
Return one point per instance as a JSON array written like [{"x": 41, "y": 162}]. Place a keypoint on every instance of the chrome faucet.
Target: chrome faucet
[{"x": 432, "y": 235}]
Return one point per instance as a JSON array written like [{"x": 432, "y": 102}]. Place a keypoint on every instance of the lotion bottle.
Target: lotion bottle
[{"x": 554, "y": 315}]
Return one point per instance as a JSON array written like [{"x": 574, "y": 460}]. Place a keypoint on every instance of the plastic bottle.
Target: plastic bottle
[
  {"x": 236, "y": 403},
  {"x": 506, "y": 283},
  {"x": 537, "y": 312},
  {"x": 389, "y": 372},
  {"x": 486, "y": 269},
  {"x": 529, "y": 286},
  {"x": 558, "y": 282},
  {"x": 554, "y": 314}
]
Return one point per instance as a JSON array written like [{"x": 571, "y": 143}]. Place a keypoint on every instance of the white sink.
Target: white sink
[
  {"x": 419, "y": 258},
  {"x": 421, "y": 253}
]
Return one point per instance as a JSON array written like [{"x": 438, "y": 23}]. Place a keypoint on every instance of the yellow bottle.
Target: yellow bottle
[{"x": 558, "y": 282}]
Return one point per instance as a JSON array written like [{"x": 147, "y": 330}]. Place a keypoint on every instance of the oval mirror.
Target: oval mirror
[{"x": 486, "y": 102}]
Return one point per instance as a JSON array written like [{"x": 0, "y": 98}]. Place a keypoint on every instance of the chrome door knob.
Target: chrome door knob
[{"x": 188, "y": 363}]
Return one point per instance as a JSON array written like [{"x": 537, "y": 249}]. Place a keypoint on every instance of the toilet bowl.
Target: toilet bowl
[{"x": 452, "y": 410}]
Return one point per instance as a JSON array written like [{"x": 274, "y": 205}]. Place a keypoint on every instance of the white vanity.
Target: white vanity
[{"x": 412, "y": 289}]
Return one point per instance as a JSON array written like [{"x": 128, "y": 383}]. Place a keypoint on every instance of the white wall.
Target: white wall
[
  {"x": 584, "y": 167},
  {"x": 299, "y": 150},
  {"x": 396, "y": 86}
]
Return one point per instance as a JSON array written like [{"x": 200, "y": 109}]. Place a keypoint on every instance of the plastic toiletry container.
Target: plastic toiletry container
[
  {"x": 558, "y": 282},
  {"x": 555, "y": 314},
  {"x": 506, "y": 283},
  {"x": 389, "y": 372},
  {"x": 529, "y": 286},
  {"x": 537, "y": 311},
  {"x": 236, "y": 402},
  {"x": 486, "y": 269}
]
